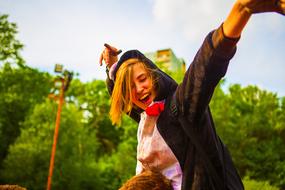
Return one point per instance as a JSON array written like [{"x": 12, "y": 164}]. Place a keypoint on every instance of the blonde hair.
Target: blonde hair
[{"x": 121, "y": 100}]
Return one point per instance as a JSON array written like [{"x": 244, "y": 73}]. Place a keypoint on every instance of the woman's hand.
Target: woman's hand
[
  {"x": 261, "y": 6},
  {"x": 109, "y": 55},
  {"x": 242, "y": 11}
]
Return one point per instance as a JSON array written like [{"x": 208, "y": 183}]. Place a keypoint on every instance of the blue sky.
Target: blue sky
[{"x": 72, "y": 33}]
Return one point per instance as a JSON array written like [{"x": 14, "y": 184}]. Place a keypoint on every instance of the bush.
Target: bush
[{"x": 250, "y": 184}]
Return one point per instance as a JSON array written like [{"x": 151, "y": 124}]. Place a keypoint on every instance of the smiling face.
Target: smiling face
[
  {"x": 143, "y": 92},
  {"x": 134, "y": 86}
]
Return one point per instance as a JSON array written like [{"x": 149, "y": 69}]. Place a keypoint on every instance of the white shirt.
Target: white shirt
[{"x": 154, "y": 153}]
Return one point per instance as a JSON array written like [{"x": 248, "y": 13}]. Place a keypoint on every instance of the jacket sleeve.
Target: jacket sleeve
[{"x": 204, "y": 73}]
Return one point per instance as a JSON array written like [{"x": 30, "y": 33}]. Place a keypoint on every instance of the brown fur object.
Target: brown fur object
[
  {"x": 150, "y": 180},
  {"x": 11, "y": 187}
]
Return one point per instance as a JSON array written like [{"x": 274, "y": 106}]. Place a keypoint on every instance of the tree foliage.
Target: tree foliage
[
  {"x": 254, "y": 184},
  {"x": 9, "y": 46},
  {"x": 28, "y": 160},
  {"x": 21, "y": 87},
  {"x": 20, "y": 90},
  {"x": 94, "y": 100},
  {"x": 251, "y": 123}
]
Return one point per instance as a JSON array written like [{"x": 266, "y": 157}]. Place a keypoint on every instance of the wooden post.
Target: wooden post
[{"x": 51, "y": 165}]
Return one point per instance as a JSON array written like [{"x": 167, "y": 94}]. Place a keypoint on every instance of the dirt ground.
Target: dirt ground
[{"x": 11, "y": 187}]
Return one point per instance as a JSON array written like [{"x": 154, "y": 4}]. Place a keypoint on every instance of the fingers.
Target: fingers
[
  {"x": 108, "y": 46},
  {"x": 118, "y": 52},
  {"x": 104, "y": 57},
  {"x": 112, "y": 50},
  {"x": 101, "y": 59},
  {"x": 109, "y": 55}
]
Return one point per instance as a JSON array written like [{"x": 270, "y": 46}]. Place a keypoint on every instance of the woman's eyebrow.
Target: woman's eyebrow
[{"x": 140, "y": 75}]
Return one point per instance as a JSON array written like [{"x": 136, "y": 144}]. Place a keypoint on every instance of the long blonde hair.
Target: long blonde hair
[{"x": 121, "y": 100}]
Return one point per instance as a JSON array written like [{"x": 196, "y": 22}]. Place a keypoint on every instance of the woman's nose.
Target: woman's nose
[{"x": 139, "y": 89}]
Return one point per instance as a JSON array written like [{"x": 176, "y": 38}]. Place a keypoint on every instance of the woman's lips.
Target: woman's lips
[{"x": 145, "y": 99}]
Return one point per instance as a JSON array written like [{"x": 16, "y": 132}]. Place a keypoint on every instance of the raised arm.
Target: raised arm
[
  {"x": 211, "y": 61},
  {"x": 110, "y": 56}
]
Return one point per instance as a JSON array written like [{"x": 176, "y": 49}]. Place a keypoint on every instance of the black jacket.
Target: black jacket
[{"x": 190, "y": 101}]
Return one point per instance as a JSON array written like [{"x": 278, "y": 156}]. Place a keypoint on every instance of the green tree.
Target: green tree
[
  {"x": 93, "y": 98},
  {"x": 20, "y": 90},
  {"x": 251, "y": 123},
  {"x": 115, "y": 142},
  {"x": 21, "y": 87},
  {"x": 9, "y": 46},
  {"x": 75, "y": 167},
  {"x": 253, "y": 185},
  {"x": 120, "y": 165}
]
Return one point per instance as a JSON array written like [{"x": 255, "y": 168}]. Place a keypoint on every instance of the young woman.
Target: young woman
[{"x": 176, "y": 133}]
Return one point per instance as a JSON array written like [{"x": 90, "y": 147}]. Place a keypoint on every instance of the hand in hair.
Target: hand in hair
[{"x": 109, "y": 55}]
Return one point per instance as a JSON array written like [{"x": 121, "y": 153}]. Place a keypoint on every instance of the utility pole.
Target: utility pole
[{"x": 61, "y": 82}]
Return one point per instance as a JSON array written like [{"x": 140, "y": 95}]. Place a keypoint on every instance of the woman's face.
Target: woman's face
[{"x": 142, "y": 87}]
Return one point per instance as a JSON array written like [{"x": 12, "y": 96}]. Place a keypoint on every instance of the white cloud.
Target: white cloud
[{"x": 194, "y": 18}]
